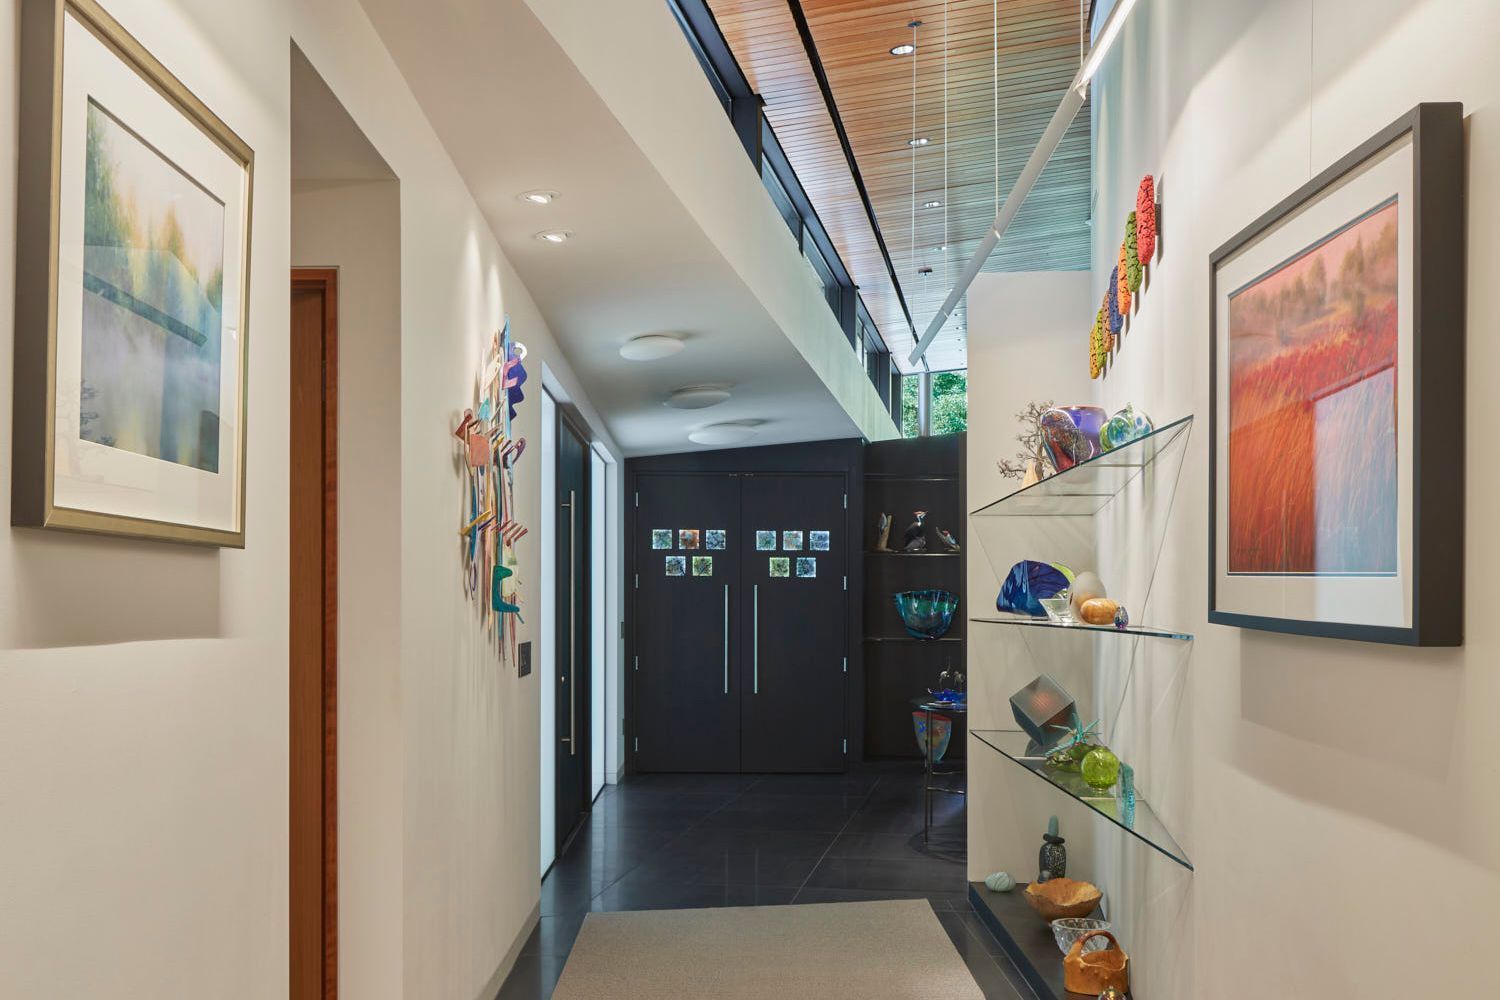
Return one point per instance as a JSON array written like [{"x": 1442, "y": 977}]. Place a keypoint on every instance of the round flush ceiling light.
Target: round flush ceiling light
[
  {"x": 555, "y": 235},
  {"x": 651, "y": 347},
  {"x": 697, "y": 397},
  {"x": 920, "y": 140},
  {"x": 904, "y": 49},
  {"x": 537, "y": 197},
  {"x": 932, "y": 204},
  {"x": 732, "y": 432}
]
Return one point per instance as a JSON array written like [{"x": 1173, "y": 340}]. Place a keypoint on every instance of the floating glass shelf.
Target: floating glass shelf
[
  {"x": 1087, "y": 487},
  {"x": 1027, "y": 621},
  {"x": 1144, "y": 824},
  {"x": 912, "y": 555}
]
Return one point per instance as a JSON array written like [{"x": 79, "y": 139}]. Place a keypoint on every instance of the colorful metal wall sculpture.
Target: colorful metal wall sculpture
[
  {"x": 489, "y": 450},
  {"x": 1137, "y": 251}
]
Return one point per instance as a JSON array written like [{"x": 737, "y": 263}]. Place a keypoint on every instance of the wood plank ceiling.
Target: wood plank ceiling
[{"x": 985, "y": 118}]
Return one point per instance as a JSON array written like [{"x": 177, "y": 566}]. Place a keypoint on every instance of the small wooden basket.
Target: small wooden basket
[{"x": 1091, "y": 973}]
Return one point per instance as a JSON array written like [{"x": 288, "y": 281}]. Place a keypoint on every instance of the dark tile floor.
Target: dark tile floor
[{"x": 683, "y": 841}]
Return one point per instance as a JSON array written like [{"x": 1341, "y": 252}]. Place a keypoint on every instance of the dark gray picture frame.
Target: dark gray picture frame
[{"x": 1436, "y": 452}]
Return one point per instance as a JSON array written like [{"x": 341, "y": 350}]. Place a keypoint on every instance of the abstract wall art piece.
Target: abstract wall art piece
[
  {"x": 1337, "y": 345},
  {"x": 765, "y": 541},
  {"x": 488, "y": 450},
  {"x": 791, "y": 541},
  {"x": 818, "y": 540},
  {"x": 132, "y": 293},
  {"x": 1127, "y": 280},
  {"x": 703, "y": 565},
  {"x": 807, "y": 567},
  {"x": 661, "y": 538},
  {"x": 715, "y": 539},
  {"x": 780, "y": 566},
  {"x": 688, "y": 538},
  {"x": 676, "y": 565}
]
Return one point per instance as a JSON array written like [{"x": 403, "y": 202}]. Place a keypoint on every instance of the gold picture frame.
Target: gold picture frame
[{"x": 50, "y": 147}]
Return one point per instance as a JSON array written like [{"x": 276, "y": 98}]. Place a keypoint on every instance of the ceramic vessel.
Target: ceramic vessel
[
  {"x": 1092, "y": 971},
  {"x": 999, "y": 882},
  {"x": 1085, "y": 587},
  {"x": 1062, "y": 897}
]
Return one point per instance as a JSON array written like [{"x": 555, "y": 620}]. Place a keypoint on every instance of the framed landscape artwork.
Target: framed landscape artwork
[
  {"x": 132, "y": 274},
  {"x": 1336, "y": 475}
]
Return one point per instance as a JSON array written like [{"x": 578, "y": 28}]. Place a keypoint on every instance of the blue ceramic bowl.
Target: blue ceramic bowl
[{"x": 927, "y": 614}]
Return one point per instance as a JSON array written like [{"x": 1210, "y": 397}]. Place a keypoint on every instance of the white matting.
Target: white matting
[{"x": 826, "y": 951}]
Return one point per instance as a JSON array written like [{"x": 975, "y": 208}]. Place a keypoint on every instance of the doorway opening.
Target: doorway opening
[{"x": 345, "y": 812}]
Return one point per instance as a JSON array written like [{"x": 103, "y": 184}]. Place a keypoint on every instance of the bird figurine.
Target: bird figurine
[
  {"x": 884, "y": 544},
  {"x": 946, "y": 537},
  {"x": 915, "y": 539}
]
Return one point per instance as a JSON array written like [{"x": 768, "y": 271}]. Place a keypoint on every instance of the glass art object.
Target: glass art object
[
  {"x": 1058, "y": 609},
  {"x": 807, "y": 567},
  {"x": 1041, "y": 708},
  {"x": 949, "y": 542},
  {"x": 1066, "y": 442},
  {"x": 791, "y": 541},
  {"x": 934, "y": 741},
  {"x": 765, "y": 541},
  {"x": 677, "y": 565},
  {"x": 927, "y": 614},
  {"x": 1066, "y": 930},
  {"x": 818, "y": 541},
  {"x": 1124, "y": 427},
  {"x": 1127, "y": 795},
  {"x": 688, "y": 538},
  {"x": 1052, "y": 859},
  {"x": 1101, "y": 769},
  {"x": 703, "y": 565},
  {"x": 1028, "y": 582},
  {"x": 714, "y": 539},
  {"x": 1145, "y": 220},
  {"x": 1122, "y": 618},
  {"x": 661, "y": 538},
  {"x": 915, "y": 539},
  {"x": 1085, "y": 587},
  {"x": 780, "y": 566}
]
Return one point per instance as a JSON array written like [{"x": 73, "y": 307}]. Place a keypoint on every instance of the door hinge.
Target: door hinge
[
  {"x": 622, "y": 630},
  {"x": 638, "y": 744},
  {"x": 846, "y": 582},
  {"x": 846, "y": 501},
  {"x": 846, "y": 665},
  {"x": 846, "y": 748},
  {"x": 638, "y": 587},
  {"x": 638, "y": 667},
  {"x": 637, "y": 498}
]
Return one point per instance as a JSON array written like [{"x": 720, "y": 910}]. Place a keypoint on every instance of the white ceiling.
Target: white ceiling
[{"x": 516, "y": 115}]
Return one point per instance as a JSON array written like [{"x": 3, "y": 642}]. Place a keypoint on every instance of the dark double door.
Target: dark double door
[
  {"x": 574, "y": 690},
  {"x": 741, "y": 638}
]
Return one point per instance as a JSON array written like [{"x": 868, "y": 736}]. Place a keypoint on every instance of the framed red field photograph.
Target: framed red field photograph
[{"x": 1336, "y": 444}]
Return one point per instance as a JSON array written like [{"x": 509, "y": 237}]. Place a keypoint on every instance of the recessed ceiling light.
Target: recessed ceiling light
[
  {"x": 932, "y": 204},
  {"x": 920, "y": 140},
  {"x": 904, "y": 49},
  {"x": 651, "y": 347},
  {"x": 555, "y": 235},
  {"x": 537, "y": 197},
  {"x": 697, "y": 397},
  {"x": 731, "y": 432}
]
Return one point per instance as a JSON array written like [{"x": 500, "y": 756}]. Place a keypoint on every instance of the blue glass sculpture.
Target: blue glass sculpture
[
  {"x": 1124, "y": 427},
  {"x": 927, "y": 614},
  {"x": 1028, "y": 582}
]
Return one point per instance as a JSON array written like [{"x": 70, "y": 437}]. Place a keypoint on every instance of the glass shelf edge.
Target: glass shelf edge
[
  {"x": 1142, "y": 806},
  {"x": 1166, "y": 434},
  {"x": 1146, "y": 631}
]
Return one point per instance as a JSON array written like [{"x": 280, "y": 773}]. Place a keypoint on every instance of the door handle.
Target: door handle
[
  {"x": 572, "y": 740},
  {"x": 755, "y": 639},
  {"x": 726, "y": 638}
]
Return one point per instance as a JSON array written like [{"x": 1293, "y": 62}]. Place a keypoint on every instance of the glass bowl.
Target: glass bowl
[
  {"x": 1057, "y": 608},
  {"x": 1066, "y": 930},
  {"x": 927, "y": 614}
]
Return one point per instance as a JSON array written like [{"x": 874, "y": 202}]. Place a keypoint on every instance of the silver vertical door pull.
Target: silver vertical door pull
[
  {"x": 572, "y": 623},
  {"x": 726, "y": 638},
  {"x": 755, "y": 641}
]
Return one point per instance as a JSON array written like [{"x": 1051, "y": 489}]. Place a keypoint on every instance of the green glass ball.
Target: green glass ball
[{"x": 1101, "y": 768}]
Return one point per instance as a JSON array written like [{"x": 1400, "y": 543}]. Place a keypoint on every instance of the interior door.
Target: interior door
[
  {"x": 687, "y": 550},
  {"x": 795, "y": 542},
  {"x": 573, "y": 658}
]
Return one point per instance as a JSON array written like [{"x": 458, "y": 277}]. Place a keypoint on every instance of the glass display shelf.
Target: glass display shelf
[
  {"x": 1144, "y": 824},
  {"x": 1027, "y": 621},
  {"x": 1087, "y": 487},
  {"x": 912, "y": 638},
  {"x": 912, "y": 555}
]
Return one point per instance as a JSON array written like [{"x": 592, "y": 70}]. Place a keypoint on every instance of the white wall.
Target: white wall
[
  {"x": 1332, "y": 795},
  {"x": 143, "y": 688},
  {"x": 355, "y": 226}
]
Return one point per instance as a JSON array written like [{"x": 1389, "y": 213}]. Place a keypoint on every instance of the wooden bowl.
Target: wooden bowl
[{"x": 1062, "y": 897}]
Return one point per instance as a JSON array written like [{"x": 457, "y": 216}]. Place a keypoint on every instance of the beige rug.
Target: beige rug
[{"x": 825, "y": 951}]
